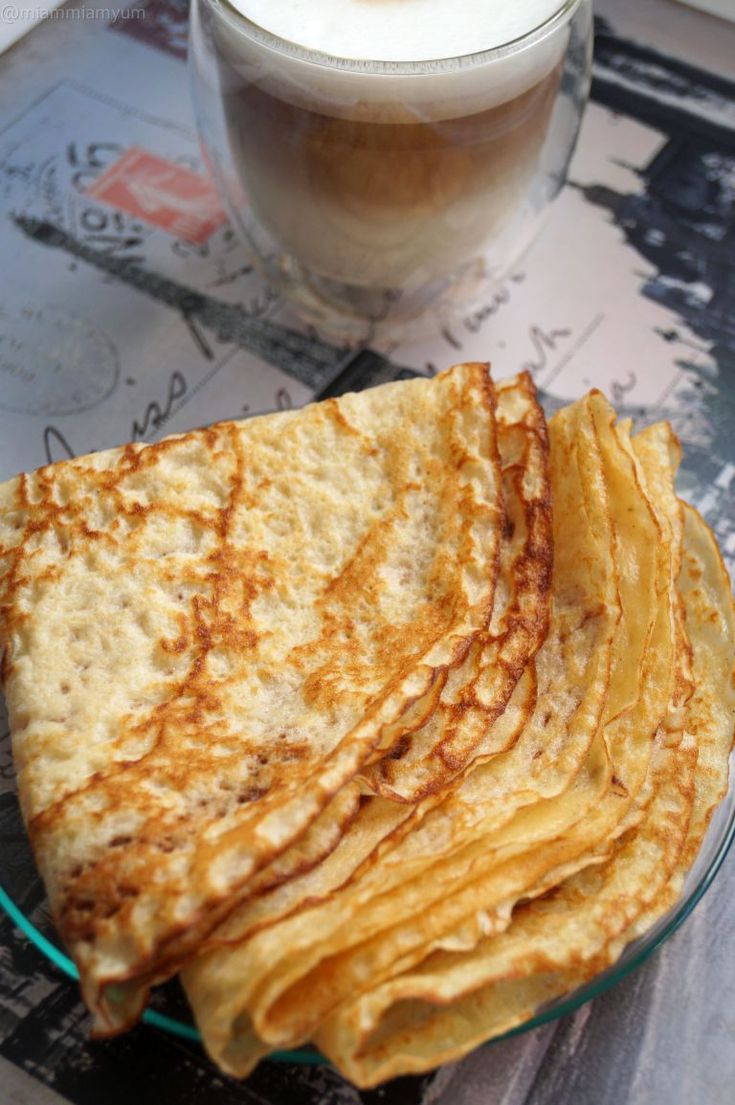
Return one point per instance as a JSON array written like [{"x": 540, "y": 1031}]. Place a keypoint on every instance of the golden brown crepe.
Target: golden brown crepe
[
  {"x": 204, "y": 639},
  {"x": 456, "y": 1000}
]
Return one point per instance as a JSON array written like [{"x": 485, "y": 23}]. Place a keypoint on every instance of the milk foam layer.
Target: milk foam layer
[
  {"x": 441, "y": 88},
  {"x": 398, "y": 30}
]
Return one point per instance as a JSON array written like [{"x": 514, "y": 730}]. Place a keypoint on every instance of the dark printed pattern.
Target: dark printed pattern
[
  {"x": 165, "y": 26},
  {"x": 683, "y": 224}
]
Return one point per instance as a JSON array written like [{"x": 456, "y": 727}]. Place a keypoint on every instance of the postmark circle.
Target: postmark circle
[{"x": 53, "y": 362}]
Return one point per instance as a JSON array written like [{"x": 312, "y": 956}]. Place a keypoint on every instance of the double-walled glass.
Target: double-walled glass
[{"x": 366, "y": 189}]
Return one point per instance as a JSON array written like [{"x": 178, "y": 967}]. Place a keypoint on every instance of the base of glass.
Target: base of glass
[{"x": 350, "y": 312}]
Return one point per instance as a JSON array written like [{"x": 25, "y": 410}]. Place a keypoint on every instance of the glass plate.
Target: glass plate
[{"x": 168, "y": 1010}]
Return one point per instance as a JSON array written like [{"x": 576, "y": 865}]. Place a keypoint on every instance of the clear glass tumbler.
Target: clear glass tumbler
[{"x": 366, "y": 190}]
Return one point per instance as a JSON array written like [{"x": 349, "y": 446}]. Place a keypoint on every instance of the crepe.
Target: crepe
[
  {"x": 454, "y": 1001},
  {"x": 204, "y": 640}
]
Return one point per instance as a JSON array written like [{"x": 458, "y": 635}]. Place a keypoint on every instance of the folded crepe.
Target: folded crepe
[
  {"x": 205, "y": 639},
  {"x": 455, "y": 1000}
]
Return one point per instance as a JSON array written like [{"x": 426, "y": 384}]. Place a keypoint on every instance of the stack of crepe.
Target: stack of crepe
[{"x": 382, "y": 722}]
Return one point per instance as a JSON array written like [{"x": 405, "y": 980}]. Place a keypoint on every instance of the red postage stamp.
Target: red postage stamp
[{"x": 161, "y": 193}]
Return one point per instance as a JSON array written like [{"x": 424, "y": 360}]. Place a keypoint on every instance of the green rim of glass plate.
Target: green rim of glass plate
[
  {"x": 150, "y": 1016},
  {"x": 559, "y": 1008}
]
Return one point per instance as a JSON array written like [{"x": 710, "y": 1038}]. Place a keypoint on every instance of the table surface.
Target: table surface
[{"x": 630, "y": 287}]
